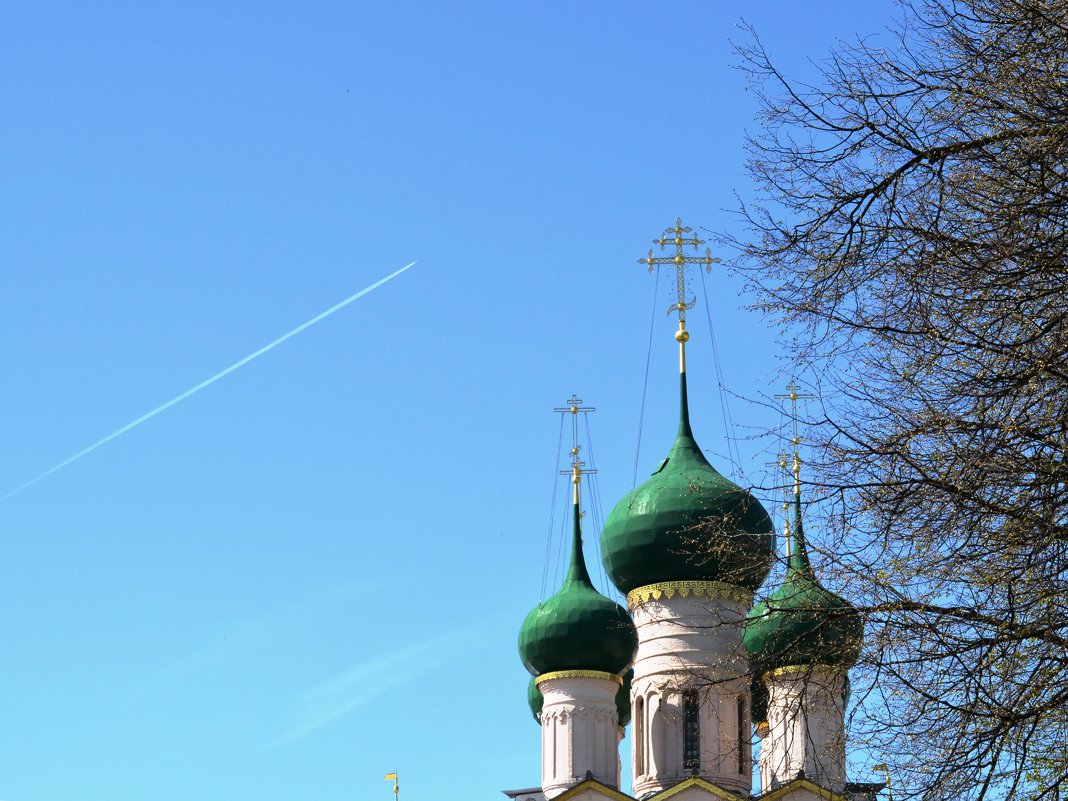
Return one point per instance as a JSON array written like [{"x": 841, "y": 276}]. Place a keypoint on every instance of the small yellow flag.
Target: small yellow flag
[{"x": 390, "y": 777}]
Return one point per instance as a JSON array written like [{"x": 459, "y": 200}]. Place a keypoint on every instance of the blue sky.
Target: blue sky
[{"x": 312, "y": 572}]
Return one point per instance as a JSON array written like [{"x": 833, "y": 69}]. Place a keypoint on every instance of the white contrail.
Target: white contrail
[{"x": 255, "y": 354}]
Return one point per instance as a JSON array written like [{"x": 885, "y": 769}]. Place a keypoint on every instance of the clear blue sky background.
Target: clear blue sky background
[{"x": 312, "y": 572}]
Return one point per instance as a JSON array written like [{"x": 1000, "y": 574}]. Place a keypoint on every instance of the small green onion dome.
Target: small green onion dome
[
  {"x": 577, "y": 628},
  {"x": 801, "y": 622},
  {"x": 623, "y": 698},
  {"x": 534, "y": 698},
  {"x": 687, "y": 522}
]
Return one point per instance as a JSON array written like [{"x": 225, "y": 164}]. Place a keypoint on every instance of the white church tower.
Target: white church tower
[
  {"x": 578, "y": 644},
  {"x": 802, "y": 641}
]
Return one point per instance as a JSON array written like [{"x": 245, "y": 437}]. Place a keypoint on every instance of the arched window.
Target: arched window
[
  {"x": 691, "y": 731},
  {"x": 639, "y": 736},
  {"x": 653, "y": 743},
  {"x": 553, "y": 745}
]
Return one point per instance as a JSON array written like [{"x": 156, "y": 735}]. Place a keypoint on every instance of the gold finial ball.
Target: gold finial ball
[
  {"x": 574, "y": 410},
  {"x": 682, "y": 336},
  {"x": 680, "y": 259},
  {"x": 678, "y": 229},
  {"x": 678, "y": 240}
]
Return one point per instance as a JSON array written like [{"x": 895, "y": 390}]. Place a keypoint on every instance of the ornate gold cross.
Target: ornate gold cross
[{"x": 675, "y": 236}]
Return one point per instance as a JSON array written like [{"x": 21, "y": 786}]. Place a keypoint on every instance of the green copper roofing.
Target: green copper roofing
[
  {"x": 534, "y": 698},
  {"x": 687, "y": 522},
  {"x": 577, "y": 628},
  {"x": 801, "y": 622}
]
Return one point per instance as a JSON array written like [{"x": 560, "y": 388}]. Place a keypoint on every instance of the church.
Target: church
[{"x": 691, "y": 664}]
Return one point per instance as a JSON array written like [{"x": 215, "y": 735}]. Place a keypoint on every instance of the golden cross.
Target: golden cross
[
  {"x": 793, "y": 396},
  {"x": 675, "y": 236},
  {"x": 783, "y": 464},
  {"x": 574, "y": 406}
]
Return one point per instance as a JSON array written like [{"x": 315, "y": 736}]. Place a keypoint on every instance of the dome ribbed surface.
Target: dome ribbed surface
[
  {"x": 687, "y": 522},
  {"x": 534, "y": 698},
  {"x": 801, "y": 622},
  {"x": 577, "y": 628}
]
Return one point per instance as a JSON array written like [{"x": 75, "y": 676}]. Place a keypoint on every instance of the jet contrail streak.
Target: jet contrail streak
[{"x": 178, "y": 399}]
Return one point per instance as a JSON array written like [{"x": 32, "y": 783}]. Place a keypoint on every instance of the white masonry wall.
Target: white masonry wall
[
  {"x": 806, "y": 727},
  {"x": 579, "y": 732},
  {"x": 683, "y": 643}
]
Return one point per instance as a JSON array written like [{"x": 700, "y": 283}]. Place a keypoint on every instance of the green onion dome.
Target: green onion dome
[
  {"x": 801, "y": 622},
  {"x": 577, "y": 628},
  {"x": 687, "y": 522},
  {"x": 534, "y": 698},
  {"x": 623, "y": 698}
]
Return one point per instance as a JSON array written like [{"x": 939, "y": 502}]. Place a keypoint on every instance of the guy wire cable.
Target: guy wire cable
[
  {"x": 645, "y": 382},
  {"x": 733, "y": 452},
  {"x": 596, "y": 508},
  {"x": 552, "y": 510},
  {"x": 558, "y": 574}
]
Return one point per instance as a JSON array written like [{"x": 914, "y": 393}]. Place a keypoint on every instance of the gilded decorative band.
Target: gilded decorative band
[
  {"x": 578, "y": 674},
  {"x": 787, "y": 670},
  {"x": 685, "y": 589}
]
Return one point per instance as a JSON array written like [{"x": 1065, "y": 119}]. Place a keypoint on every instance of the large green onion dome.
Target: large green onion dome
[
  {"x": 577, "y": 628},
  {"x": 802, "y": 623},
  {"x": 687, "y": 522}
]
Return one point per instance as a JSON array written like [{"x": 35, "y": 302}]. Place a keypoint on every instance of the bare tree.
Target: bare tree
[{"x": 912, "y": 231}]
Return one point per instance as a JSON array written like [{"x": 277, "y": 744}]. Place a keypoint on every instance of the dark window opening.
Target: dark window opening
[{"x": 691, "y": 731}]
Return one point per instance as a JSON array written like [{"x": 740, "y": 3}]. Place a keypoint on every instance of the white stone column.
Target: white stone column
[
  {"x": 690, "y": 639},
  {"x": 579, "y": 729},
  {"x": 806, "y": 727}
]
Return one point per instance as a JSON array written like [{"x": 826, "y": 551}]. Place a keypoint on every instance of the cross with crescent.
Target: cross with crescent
[{"x": 674, "y": 236}]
